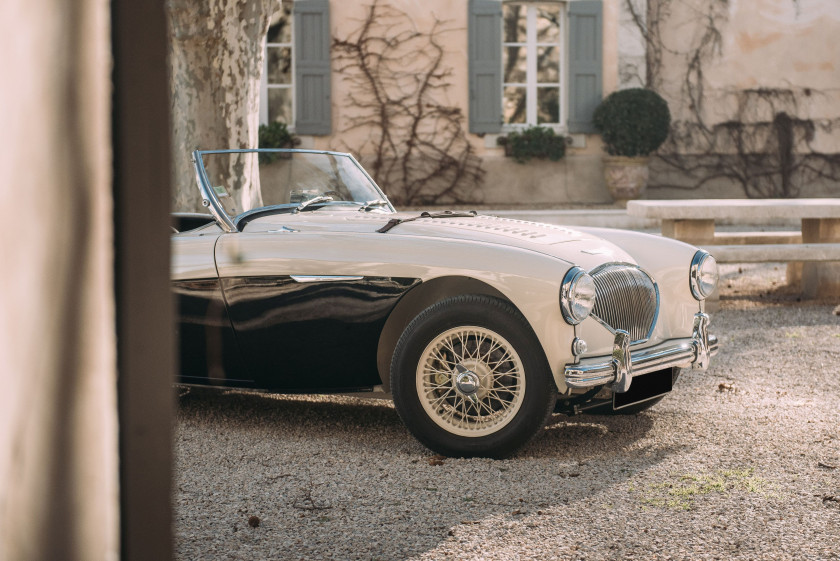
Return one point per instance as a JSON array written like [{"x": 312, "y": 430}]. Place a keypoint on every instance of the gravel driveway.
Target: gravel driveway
[{"x": 739, "y": 462}]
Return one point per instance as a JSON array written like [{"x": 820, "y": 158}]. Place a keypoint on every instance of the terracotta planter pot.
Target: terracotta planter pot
[{"x": 626, "y": 178}]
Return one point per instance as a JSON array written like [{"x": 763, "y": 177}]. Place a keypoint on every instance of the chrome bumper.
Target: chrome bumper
[{"x": 624, "y": 364}]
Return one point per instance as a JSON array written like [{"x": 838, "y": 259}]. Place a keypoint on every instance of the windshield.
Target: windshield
[{"x": 239, "y": 182}]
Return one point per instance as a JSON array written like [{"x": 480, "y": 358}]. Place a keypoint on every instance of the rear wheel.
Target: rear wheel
[{"x": 469, "y": 378}]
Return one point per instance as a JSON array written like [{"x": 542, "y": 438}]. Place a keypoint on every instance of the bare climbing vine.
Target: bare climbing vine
[
  {"x": 419, "y": 151},
  {"x": 762, "y": 141}
]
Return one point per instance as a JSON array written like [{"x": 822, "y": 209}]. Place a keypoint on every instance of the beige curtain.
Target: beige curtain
[{"x": 58, "y": 423}]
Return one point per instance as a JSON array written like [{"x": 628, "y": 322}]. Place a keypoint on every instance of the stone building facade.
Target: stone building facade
[{"x": 742, "y": 79}]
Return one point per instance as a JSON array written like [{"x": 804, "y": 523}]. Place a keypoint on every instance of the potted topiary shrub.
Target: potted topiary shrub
[{"x": 633, "y": 123}]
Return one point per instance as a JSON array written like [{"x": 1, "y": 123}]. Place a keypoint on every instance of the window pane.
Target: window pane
[
  {"x": 548, "y": 65},
  {"x": 280, "y": 30},
  {"x": 279, "y": 65},
  {"x": 515, "y": 22},
  {"x": 515, "y": 64},
  {"x": 514, "y": 110},
  {"x": 548, "y": 105},
  {"x": 548, "y": 24},
  {"x": 280, "y": 105}
]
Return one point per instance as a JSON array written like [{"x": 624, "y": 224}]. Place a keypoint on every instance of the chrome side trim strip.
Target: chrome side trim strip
[{"x": 323, "y": 278}]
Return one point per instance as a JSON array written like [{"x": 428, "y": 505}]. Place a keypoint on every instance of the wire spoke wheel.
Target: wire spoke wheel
[
  {"x": 459, "y": 373},
  {"x": 470, "y": 381}
]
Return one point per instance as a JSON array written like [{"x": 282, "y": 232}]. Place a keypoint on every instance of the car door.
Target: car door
[
  {"x": 306, "y": 310},
  {"x": 207, "y": 348}
]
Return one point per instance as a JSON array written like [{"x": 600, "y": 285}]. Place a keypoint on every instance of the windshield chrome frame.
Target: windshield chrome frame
[{"x": 211, "y": 200}]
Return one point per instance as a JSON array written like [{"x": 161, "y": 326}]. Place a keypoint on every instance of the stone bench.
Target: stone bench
[{"x": 814, "y": 251}]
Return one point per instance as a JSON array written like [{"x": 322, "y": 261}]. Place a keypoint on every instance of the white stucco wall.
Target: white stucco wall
[
  {"x": 759, "y": 60},
  {"x": 632, "y": 50},
  {"x": 786, "y": 44},
  {"x": 765, "y": 45}
]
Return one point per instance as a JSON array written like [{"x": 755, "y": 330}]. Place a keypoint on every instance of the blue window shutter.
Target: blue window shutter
[
  {"x": 313, "y": 113},
  {"x": 585, "y": 69},
  {"x": 485, "y": 61}
]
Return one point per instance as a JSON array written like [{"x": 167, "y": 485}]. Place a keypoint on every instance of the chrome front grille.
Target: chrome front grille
[{"x": 626, "y": 298}]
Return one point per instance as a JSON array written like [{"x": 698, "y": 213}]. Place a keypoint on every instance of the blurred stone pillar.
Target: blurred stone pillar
[
  {"x": 145, "y": 334},
  {"x": 58, "y": 411}
]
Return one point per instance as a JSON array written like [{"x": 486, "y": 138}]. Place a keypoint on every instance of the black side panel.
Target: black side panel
[
  {"x": 208, "y": 350},
  {"x": 312, "y": 335}
]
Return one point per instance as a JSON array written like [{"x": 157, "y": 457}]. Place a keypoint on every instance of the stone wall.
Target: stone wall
[
  {"x": 577, "y": 179},
  {"x": 752, "y": 86}
]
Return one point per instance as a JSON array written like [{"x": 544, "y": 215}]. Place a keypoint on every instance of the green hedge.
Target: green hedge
[{"x": 533, "y": 142}]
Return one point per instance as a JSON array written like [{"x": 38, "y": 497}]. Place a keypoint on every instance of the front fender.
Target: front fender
[{"x": 668, "y": 261}]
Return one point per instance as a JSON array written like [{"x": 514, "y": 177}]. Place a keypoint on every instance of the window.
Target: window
[
  {"x": 277, "y": 95},
  {"x": 295, "y": 87},
  {"x": 534, "y": 63},
  {"x": 532, "y": 51}
]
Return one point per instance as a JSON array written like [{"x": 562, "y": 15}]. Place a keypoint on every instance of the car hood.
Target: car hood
[{"x": 574, "y": 246}]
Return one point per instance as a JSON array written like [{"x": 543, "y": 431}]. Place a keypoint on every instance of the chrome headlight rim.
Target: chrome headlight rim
[
  {"x": 700, "y": 264},
  {"x": 568, "y": 295}
]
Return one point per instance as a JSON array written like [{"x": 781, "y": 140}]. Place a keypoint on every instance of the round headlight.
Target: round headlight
[
  {"x": 704, "y": 275},
  {"x": 577, "y": 296}
]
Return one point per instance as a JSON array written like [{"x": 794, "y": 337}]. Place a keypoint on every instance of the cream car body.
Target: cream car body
[{"x": 428, "y": 259}]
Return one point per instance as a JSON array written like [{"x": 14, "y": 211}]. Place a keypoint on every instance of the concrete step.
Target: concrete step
[
  {"x": 749, "y": 238},
  {"x": 771, "y": 253}
]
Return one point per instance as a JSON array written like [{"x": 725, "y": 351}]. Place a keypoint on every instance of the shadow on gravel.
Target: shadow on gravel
[
  {"x": 374, "y": 421},
  {"x": 578, "y": 434},
  {"x": 280, "y": 413},
  {"x": 349, "y": 465},
  {"x": 607, "y": 445},
  {"x": 239, "y": 406}
]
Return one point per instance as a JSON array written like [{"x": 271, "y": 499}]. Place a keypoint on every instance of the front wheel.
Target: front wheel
[{"x": 469, "y": 378}]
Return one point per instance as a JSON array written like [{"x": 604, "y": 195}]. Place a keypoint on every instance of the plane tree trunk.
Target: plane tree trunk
[{"x": 216, "y": 59}]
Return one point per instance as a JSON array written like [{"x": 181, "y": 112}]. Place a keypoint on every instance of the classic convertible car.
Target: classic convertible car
[{"x": 303, "y": 278}]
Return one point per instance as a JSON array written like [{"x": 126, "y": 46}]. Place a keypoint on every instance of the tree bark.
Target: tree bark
[{"x": 216, "y": 59}]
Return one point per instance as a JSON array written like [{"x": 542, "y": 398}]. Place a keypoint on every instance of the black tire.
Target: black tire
[{"x": 480, "y": 340}]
